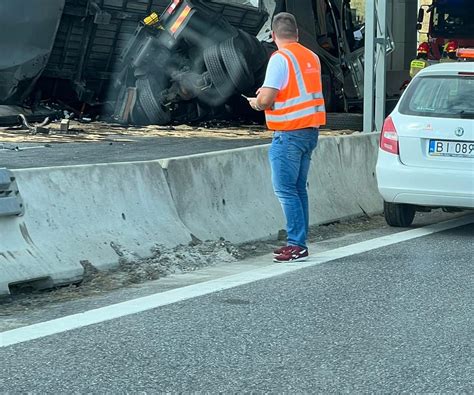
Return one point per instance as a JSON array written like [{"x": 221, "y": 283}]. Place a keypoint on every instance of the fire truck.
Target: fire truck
[{"x": 448, "y": 20}]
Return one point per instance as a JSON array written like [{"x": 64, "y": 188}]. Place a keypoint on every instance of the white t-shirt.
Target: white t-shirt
[{"x": 277, "y": 74}]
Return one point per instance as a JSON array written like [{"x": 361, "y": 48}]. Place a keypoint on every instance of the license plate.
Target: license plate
[{"x": 463, "y": 149}]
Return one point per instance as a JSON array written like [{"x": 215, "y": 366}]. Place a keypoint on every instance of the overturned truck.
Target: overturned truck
[{"x": 159, "y": 62}]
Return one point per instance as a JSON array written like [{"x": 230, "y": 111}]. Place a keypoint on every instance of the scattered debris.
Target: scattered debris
[
  {"x": 35, "y": 129},
  {"x": 180, "y": 259},
  {"x": 64, "y": 126},
  {"x": 11, "y": 147}
]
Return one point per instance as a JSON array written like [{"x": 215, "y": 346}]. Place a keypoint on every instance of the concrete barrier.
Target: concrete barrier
[
  {"x": 229, "y": 194},
  {"x": 89, "y": 213},
  {"x": 330, "y": 198},
  {"x": 225, "y": 194},
  {"x": 358, "y": 158},
  {"x": 98, "y": 213},
  {"x": 342, "y": 180}
]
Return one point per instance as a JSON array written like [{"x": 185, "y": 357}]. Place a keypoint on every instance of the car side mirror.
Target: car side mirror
[{"x": 421, "y": 15}]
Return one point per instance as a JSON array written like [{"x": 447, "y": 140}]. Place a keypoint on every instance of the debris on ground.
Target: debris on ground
[
  {"x": 183, "y": 258},
  {"x": 165, "y": 261},
  {"x": 69, "y": 131},
  {"x": 132, "y": 270}
]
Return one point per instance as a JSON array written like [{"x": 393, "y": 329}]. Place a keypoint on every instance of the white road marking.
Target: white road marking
[{"x": 134, "y": 306}]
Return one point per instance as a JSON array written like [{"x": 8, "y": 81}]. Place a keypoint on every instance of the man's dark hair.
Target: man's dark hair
[{"x": 284, "y": 26}]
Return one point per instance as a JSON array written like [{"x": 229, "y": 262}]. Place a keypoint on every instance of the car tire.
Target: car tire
[{"x": 398, "y": 215}]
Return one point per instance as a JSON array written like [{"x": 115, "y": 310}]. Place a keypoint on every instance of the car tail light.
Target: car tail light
[{"x": 389, "y": 137}]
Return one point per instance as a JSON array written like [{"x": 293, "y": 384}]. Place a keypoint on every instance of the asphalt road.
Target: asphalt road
[{"x": 388, "y": 320}]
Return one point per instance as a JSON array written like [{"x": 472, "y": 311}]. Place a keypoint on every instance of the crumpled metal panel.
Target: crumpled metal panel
[{"x": 27, "y": 30}]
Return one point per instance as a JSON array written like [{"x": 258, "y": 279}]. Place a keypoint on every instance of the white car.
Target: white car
[{"x": 426, "y": 154}]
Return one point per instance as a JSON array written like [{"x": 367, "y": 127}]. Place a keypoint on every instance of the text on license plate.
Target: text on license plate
[{"x": 451, "y": 148}]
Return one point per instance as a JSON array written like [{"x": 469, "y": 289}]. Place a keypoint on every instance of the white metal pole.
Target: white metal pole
[
  {"x": 369, "y": 66},
  {"x": 381, "y": 69}
]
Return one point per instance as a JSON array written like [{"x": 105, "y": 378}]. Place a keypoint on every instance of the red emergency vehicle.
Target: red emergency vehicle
[{"x": 449, "y": 20}]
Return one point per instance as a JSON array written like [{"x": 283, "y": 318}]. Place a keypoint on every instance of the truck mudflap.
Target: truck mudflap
[{"x": 27, "y": 30}]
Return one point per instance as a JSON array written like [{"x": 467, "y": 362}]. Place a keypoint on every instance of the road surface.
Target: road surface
[{"x": 385, "y": 314}]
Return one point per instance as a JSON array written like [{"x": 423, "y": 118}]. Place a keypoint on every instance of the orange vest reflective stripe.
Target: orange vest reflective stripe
[{"x": 300, "y": 104}]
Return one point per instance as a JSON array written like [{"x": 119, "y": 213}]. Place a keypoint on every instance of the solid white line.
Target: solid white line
[{"x": 111, "y": 312}]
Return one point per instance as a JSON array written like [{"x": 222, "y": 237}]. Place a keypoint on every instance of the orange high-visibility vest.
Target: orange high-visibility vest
[{"x": 300, "y": 104}]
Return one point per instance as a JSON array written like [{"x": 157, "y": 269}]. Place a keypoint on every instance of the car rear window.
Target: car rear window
[{"x": 440, "y": 97}]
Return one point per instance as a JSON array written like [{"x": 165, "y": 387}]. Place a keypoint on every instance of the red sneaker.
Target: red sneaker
[
  {"x": 293, "y": 254},
  {"x": 281, "y": 250}
]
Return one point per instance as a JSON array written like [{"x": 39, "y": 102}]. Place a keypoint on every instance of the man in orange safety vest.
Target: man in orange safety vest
[{"x": 292, "y": 98}]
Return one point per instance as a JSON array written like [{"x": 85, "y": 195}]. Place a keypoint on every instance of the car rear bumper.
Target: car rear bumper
[{"x": 398, "y": 183}]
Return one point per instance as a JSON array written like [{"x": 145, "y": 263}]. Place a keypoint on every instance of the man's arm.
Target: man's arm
[
  {"x": 276, "y": 78},
  {"x": 265, "y": 99}
]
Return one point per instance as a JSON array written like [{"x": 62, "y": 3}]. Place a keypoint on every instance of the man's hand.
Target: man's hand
[
  {"x": 265, "y": 99},
  {"x": 253, "y": 103}
]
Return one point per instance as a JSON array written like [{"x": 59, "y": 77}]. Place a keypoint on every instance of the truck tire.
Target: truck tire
[
  {"x": 215, "y": 67},
  {"x": 328, "y": 93},
  {"x": 236, "y": 65},
  {"x": 256, "y": 53},
  {"x": 398, "y": 215},
  {"x": 137, "y": 115},
  {"x": 155, "y": 113},
  {"x": 344, "y": 121}
]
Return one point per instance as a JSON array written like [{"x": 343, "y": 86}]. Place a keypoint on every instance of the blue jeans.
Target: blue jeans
[{"x": 290, "y": 157}]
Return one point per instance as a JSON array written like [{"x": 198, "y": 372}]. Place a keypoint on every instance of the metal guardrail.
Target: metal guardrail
[{"x": 11, "y": 202}]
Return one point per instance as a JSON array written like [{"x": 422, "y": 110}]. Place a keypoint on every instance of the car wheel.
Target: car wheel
[{"x": 399, "y": 215}]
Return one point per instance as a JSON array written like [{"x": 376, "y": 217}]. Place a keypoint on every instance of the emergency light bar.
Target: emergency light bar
[{"x": 465, "y": 53}]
